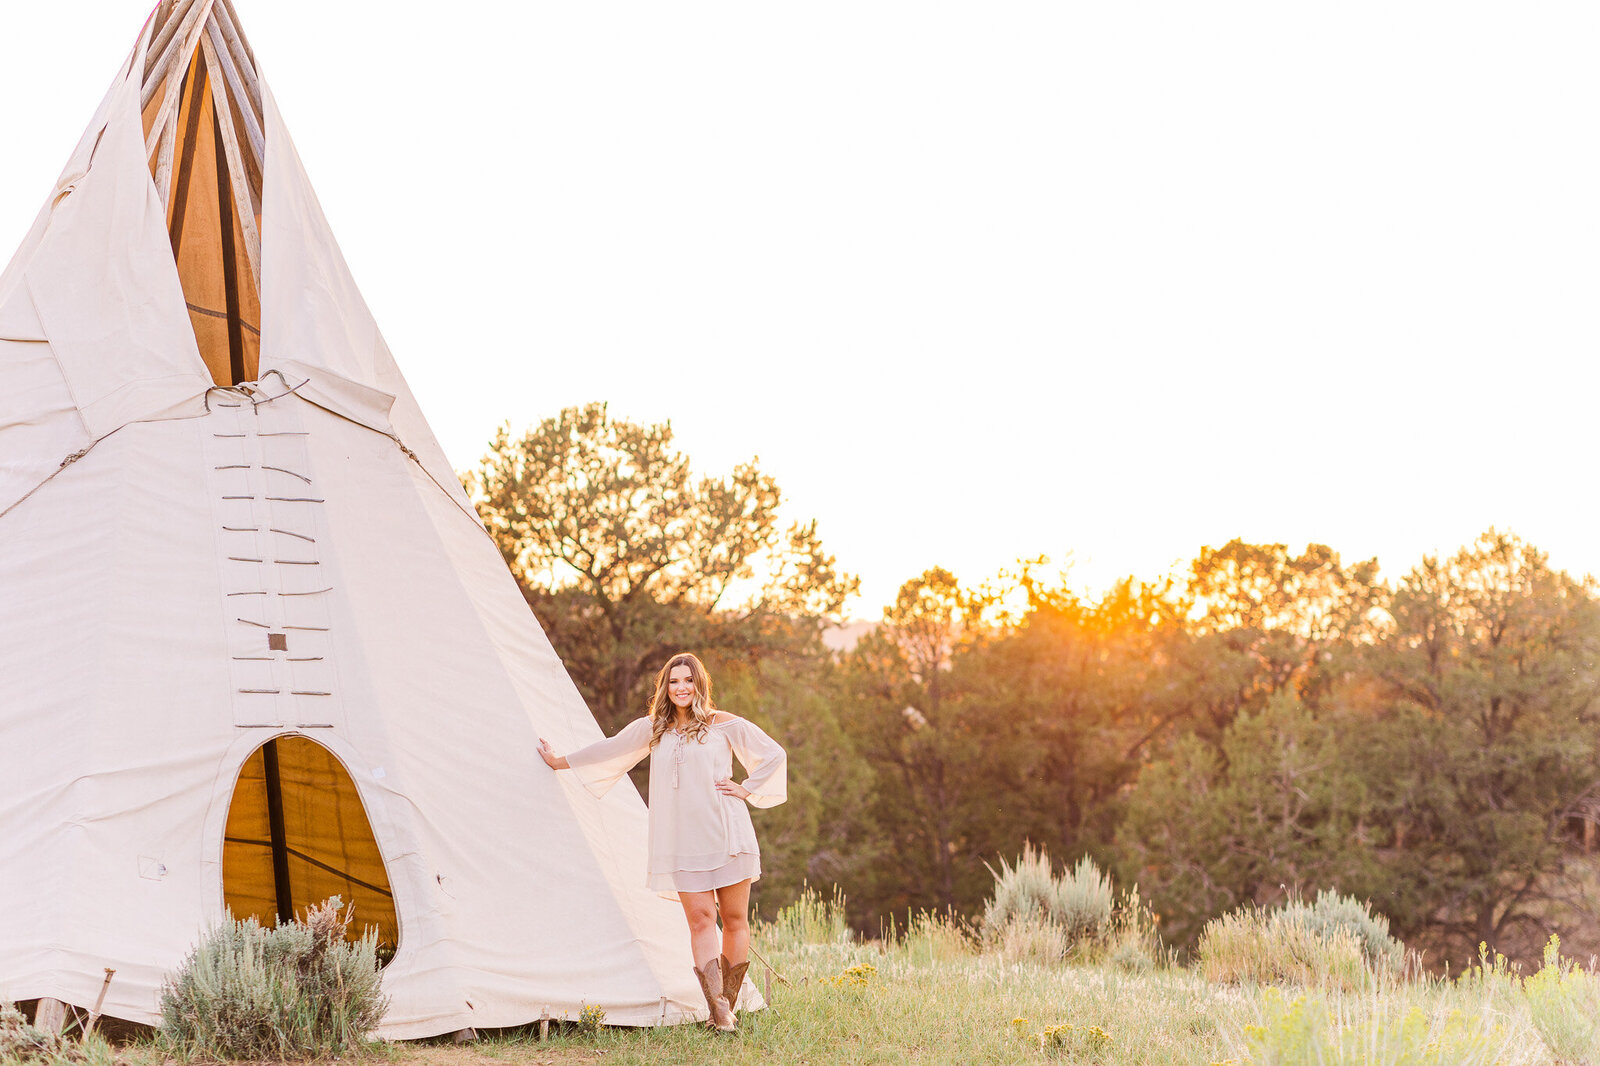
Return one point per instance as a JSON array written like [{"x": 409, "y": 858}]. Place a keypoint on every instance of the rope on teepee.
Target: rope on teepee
[{"x": 68, "y": 461}]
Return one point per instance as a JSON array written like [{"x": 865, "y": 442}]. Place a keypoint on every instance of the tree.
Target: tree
[
  {"x": 910, "y": 734},
  {"x": 822, "y": 836},
  {"x": 628, "y": 556},
  {"x": 906, "y": 712},
  {"x": 1268, "y": 621},
  {"x": 1480, "y": 711},
  {"x": 1272, "y": 812},
  {"x": 1080, "y": 690}
]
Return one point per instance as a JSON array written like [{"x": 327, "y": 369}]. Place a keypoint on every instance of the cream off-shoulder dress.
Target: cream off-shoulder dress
[{"x": 700, "y": 839}]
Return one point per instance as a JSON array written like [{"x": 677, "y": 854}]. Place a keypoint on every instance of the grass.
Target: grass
[
  {"x": 930, "y": 994},
  {"x": 906, "y": 1009}
]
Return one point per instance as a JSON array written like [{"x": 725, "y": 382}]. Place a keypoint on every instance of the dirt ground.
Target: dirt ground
[{"x": 492, "y": 1055}]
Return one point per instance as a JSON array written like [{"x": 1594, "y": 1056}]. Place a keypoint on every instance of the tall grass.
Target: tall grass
[
  {"x": 1390, "y": 1023},
  {"x": 928, "y": 991},
  {"x": 932, "y": 937},
  {"x": 1564, "y": 1002},
  {"x": 808, "y": 921}
]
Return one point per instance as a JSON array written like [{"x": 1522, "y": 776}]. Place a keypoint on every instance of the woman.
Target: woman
[{"x": 702, "y": 844}]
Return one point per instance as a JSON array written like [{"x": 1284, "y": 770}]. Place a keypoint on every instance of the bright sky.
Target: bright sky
[{"x": 975, "y": 280}]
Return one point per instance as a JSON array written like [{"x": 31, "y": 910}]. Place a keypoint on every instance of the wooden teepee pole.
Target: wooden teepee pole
[
  {"x": 217, "y": 58},
  {"x": 241, "y": 55},
  {"x": 171, "y": 16},
  {"x": 163, "y": 52},
  {"x": 238, "y": 177},
  {"x": 192, "y": 30}
]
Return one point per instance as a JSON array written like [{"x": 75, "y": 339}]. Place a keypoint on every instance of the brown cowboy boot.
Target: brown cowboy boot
[
  {"x": 732, "y": 982},
  {"x": 722, "y": 1019}
]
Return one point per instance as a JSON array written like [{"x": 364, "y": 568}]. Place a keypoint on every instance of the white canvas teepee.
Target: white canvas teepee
[{"x": 255, "y": 647}]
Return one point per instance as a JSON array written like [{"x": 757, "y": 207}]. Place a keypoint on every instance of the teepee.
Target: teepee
[{"x": 255, "y": 647}]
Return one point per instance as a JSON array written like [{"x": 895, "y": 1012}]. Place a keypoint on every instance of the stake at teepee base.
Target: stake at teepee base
[
  {"x": 99, "y": 1002},
  {"x": 251, "y": 575}
]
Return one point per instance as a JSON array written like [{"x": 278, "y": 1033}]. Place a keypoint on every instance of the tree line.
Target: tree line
[{"x": 1269, "y": 722}]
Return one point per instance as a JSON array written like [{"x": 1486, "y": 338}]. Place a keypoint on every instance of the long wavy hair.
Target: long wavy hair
[{"x": 663, "y": 712}]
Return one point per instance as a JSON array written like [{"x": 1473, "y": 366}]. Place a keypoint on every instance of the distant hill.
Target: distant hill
[{"x": 844, "y": 637}]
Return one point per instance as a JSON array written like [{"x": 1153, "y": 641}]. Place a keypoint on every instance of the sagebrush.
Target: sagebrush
[
  {"x": 299, "y": 990},
  {"x": 1332, "y": 940},
  {"x": 1038, "y": 915}
]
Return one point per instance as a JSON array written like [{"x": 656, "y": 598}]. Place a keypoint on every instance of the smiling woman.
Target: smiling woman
[{"x": 703, "y": 849}]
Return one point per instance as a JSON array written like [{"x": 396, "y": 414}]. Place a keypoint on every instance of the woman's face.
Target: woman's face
[{"x": 680, "y": 686}]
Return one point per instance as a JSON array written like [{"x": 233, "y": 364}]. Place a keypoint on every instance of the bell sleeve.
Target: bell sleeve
[
  {"x": 764, "y": 760},
  {"x": 602, "y": 764}
]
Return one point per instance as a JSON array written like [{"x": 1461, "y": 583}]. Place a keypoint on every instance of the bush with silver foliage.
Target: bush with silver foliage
[
  {"x": 299, "y": 990},
  {"x": 1046, "y": 917}
]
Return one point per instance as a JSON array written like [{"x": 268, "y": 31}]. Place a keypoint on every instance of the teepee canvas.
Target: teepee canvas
[{"x": 255, "y": 647}]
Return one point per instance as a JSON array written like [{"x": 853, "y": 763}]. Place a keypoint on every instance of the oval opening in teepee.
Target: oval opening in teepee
[{"x": 297, "y": 834}]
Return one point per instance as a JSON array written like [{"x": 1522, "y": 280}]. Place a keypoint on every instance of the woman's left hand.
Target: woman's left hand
[{"x": 729, "y": 787}]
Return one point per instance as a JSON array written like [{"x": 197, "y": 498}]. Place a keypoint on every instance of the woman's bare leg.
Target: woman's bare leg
[
  {"x": 701, "y": 910},
  {"x": 734, "y": 903}
]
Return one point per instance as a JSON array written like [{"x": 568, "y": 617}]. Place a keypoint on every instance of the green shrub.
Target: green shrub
[
  {"x": 1333, "y": 940},
  {"x": 1079, "y": 903},
  {"x": 1565, "y": 1004},
  {"x": 1257, "y": 945},
  {"x": 299, "y": 990}
]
